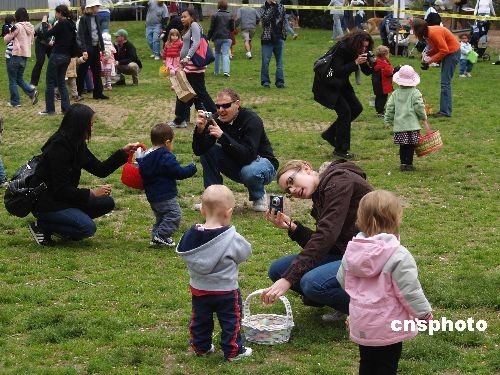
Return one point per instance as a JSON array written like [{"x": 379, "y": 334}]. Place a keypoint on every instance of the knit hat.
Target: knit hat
[
  {"x": 406, "y": 76},
  {"x": 93, "y": 3},
  {"x": 440, "y": 4},
  {"x": 121, "y": 32}
]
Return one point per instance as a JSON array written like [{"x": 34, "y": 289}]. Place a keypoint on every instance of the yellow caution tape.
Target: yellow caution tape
[{"x": 299, "y": 7}]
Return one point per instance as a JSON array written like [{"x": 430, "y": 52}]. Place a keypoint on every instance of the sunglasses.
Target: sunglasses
[
  {"x": 225, "y": 105},
  {"x": 289, "y": 182}
]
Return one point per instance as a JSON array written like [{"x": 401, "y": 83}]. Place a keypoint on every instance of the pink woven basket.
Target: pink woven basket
[{"x": 428, "y": 143}]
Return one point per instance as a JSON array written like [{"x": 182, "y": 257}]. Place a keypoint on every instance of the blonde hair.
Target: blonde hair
[
  {"x": 379, "y": 211},
  {"x": 216, "y": 199},
  {"x": 292, "y": 165},
  {"x": 381, "y": 51}
]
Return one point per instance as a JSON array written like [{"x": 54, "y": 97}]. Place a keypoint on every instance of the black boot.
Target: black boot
[{"x": 329, "y": 135}]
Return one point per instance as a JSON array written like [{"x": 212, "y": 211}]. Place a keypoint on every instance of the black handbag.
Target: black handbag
[
  {"x": 20, "y": 197},
  {"x": 323, "y": 68}
]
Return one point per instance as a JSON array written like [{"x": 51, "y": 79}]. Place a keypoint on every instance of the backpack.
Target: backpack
[{"x": 20, "y": 198}]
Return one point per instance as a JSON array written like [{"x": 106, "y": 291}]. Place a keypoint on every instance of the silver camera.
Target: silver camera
[
  {"x": 210, "y": 116},
  {"x": 276, "y": 203}
]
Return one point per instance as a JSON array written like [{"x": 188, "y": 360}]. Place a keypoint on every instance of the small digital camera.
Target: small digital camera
[
  {"x": 276, "y": 203},
  {"x": 210, "y": 116},
  {"x": 370, "y": 57}
]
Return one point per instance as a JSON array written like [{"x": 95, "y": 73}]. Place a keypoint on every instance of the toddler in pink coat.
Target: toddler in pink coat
[{"x": 381, "y": 279}]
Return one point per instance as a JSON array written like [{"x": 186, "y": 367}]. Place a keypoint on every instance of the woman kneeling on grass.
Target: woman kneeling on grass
[
  {"x": 335, "y": 193},
  {"x": 64, "y": 208}
]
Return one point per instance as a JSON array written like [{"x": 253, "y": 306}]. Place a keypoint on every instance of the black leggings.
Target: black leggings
[
  {"x": 380, "y": 101},
  {"x": 348, "y": 108},
  {"x": 379, "y": 360},
  {"x": 406, "y": 154}
]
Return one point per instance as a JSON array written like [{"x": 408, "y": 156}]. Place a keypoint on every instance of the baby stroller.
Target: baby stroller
[
  {"x": 479, "y": 38},
  {"x": 392, "y": 32}
]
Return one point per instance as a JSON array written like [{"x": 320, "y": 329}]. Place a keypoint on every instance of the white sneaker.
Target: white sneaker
[
  {"x": 182, "y": 125},
  {"x": 249, "y": 55},
  {"x": 434, "y": 65},
  {"x": 468, "y": 75},
  {"x": 333, "y": 316},
  {"x": 157, "y": 57},
  {"x": 260, "y": 205},
  {"x": 246, "y": 353},
  {"x": 197, "y": 207},
  {"x": 153, "y": 55},
  {"x": 462, "y": 76}
]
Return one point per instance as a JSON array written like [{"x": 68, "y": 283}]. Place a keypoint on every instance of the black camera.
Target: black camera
[
  {"x": 276, "y": 202},
  {"x": 370, "y": 58},
  {"x": 424, "y": 66}
]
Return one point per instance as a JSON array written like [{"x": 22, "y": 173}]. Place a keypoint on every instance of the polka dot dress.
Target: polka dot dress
[{"x": 407, "y": 138}]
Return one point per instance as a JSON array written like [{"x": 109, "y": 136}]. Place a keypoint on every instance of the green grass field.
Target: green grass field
[{"x": 112, "y": 305}]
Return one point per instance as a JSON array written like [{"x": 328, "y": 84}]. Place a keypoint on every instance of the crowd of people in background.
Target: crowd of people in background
[{"x": 234, "y": 144}]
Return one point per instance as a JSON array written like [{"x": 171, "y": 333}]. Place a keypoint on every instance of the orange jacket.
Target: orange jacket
[{"x": 442, "y": 42}]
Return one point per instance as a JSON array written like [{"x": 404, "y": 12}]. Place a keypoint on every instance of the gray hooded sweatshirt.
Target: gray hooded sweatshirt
[{"x": 213, "y": 266}]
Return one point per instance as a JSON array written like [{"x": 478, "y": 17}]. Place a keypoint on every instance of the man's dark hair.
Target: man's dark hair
[{"x": 160, "y": 133}]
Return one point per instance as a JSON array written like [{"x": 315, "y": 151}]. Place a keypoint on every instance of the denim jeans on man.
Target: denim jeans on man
[
  {"x": 337, "y": 26},
  {"x": 56, "y": 75},
  {"x": 168, "y": 218},
  {"x": 268, "y": 50},
  {"x": 222, "y": 47},
  {"x": 318, "y": 285},
  {"x": 448, "y": 65},
  {"x": 75, "y": 223},
  {"x": 465, "y": 66},
  {"x": 153, "y": 38},
  {"x": 254, "y": 176},
  {"x": 3, "y": 177},
  {"x": 15, "y": 70}
]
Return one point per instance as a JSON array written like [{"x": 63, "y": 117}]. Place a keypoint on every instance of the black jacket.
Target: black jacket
[
  {"x": 326, "y": 92},
  {"x": 221, "y": 25},
  {"x": 84, "y": 34},
  {"x": 126, "y": 53},
  {"x": 60, "y": 168},
  {"x": 64, "y": 33},
  {"x": 243, "y": 140}
]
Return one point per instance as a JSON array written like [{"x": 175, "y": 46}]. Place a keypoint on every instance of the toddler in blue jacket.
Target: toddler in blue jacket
[{"x": 159, "y": 170}]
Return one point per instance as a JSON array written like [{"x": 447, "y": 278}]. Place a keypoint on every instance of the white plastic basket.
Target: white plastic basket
[{"x": 267, "y": 329}]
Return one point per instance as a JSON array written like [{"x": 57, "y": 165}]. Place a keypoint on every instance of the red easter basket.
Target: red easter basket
[
  {"x": 428, "y": 143},
  {"x": 130, "y": 172}
]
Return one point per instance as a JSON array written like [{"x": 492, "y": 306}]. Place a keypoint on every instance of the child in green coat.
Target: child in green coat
[{"x": 404, "y": 111}]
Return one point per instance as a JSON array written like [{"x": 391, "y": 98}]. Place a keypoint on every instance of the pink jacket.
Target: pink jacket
[
  {"x": 23, "y": 37},
  {"x": 381, "y": 278}
]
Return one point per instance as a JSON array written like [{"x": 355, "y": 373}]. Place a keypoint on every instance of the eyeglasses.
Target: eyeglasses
[
  {"x": 225, "y": 105},
  {"x": 289, "y": 182}
]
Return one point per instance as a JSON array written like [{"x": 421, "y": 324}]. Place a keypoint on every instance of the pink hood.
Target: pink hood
[{"x": 381, "y": 279}]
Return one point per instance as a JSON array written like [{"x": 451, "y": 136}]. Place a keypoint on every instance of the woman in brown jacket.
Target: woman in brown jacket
[{"x": 335, "y": 193}]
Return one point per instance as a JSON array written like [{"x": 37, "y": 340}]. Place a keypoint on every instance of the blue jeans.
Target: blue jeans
[
  {"x": 289, "y": 28},
  {"x": 153, "y": 38},
  {"x": 318, "y": 285},
  {"x": 168, "y": 218},
  {"x": 268, "y": 50},
  {"x": 75, "y": 223},
  {"x": 337, "y": 26},
  {"x": 56, "y": 74},
  {"x": 465, "y": 66},
  {"x": 228, "y": 308},
  {"x": 3, "y": 177},
  {"x": 448, "y": 65},
  {"x": 254, "y": 176},
  {"x": 15, "y": 70},
  {"x": 222, "y": 46}
]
